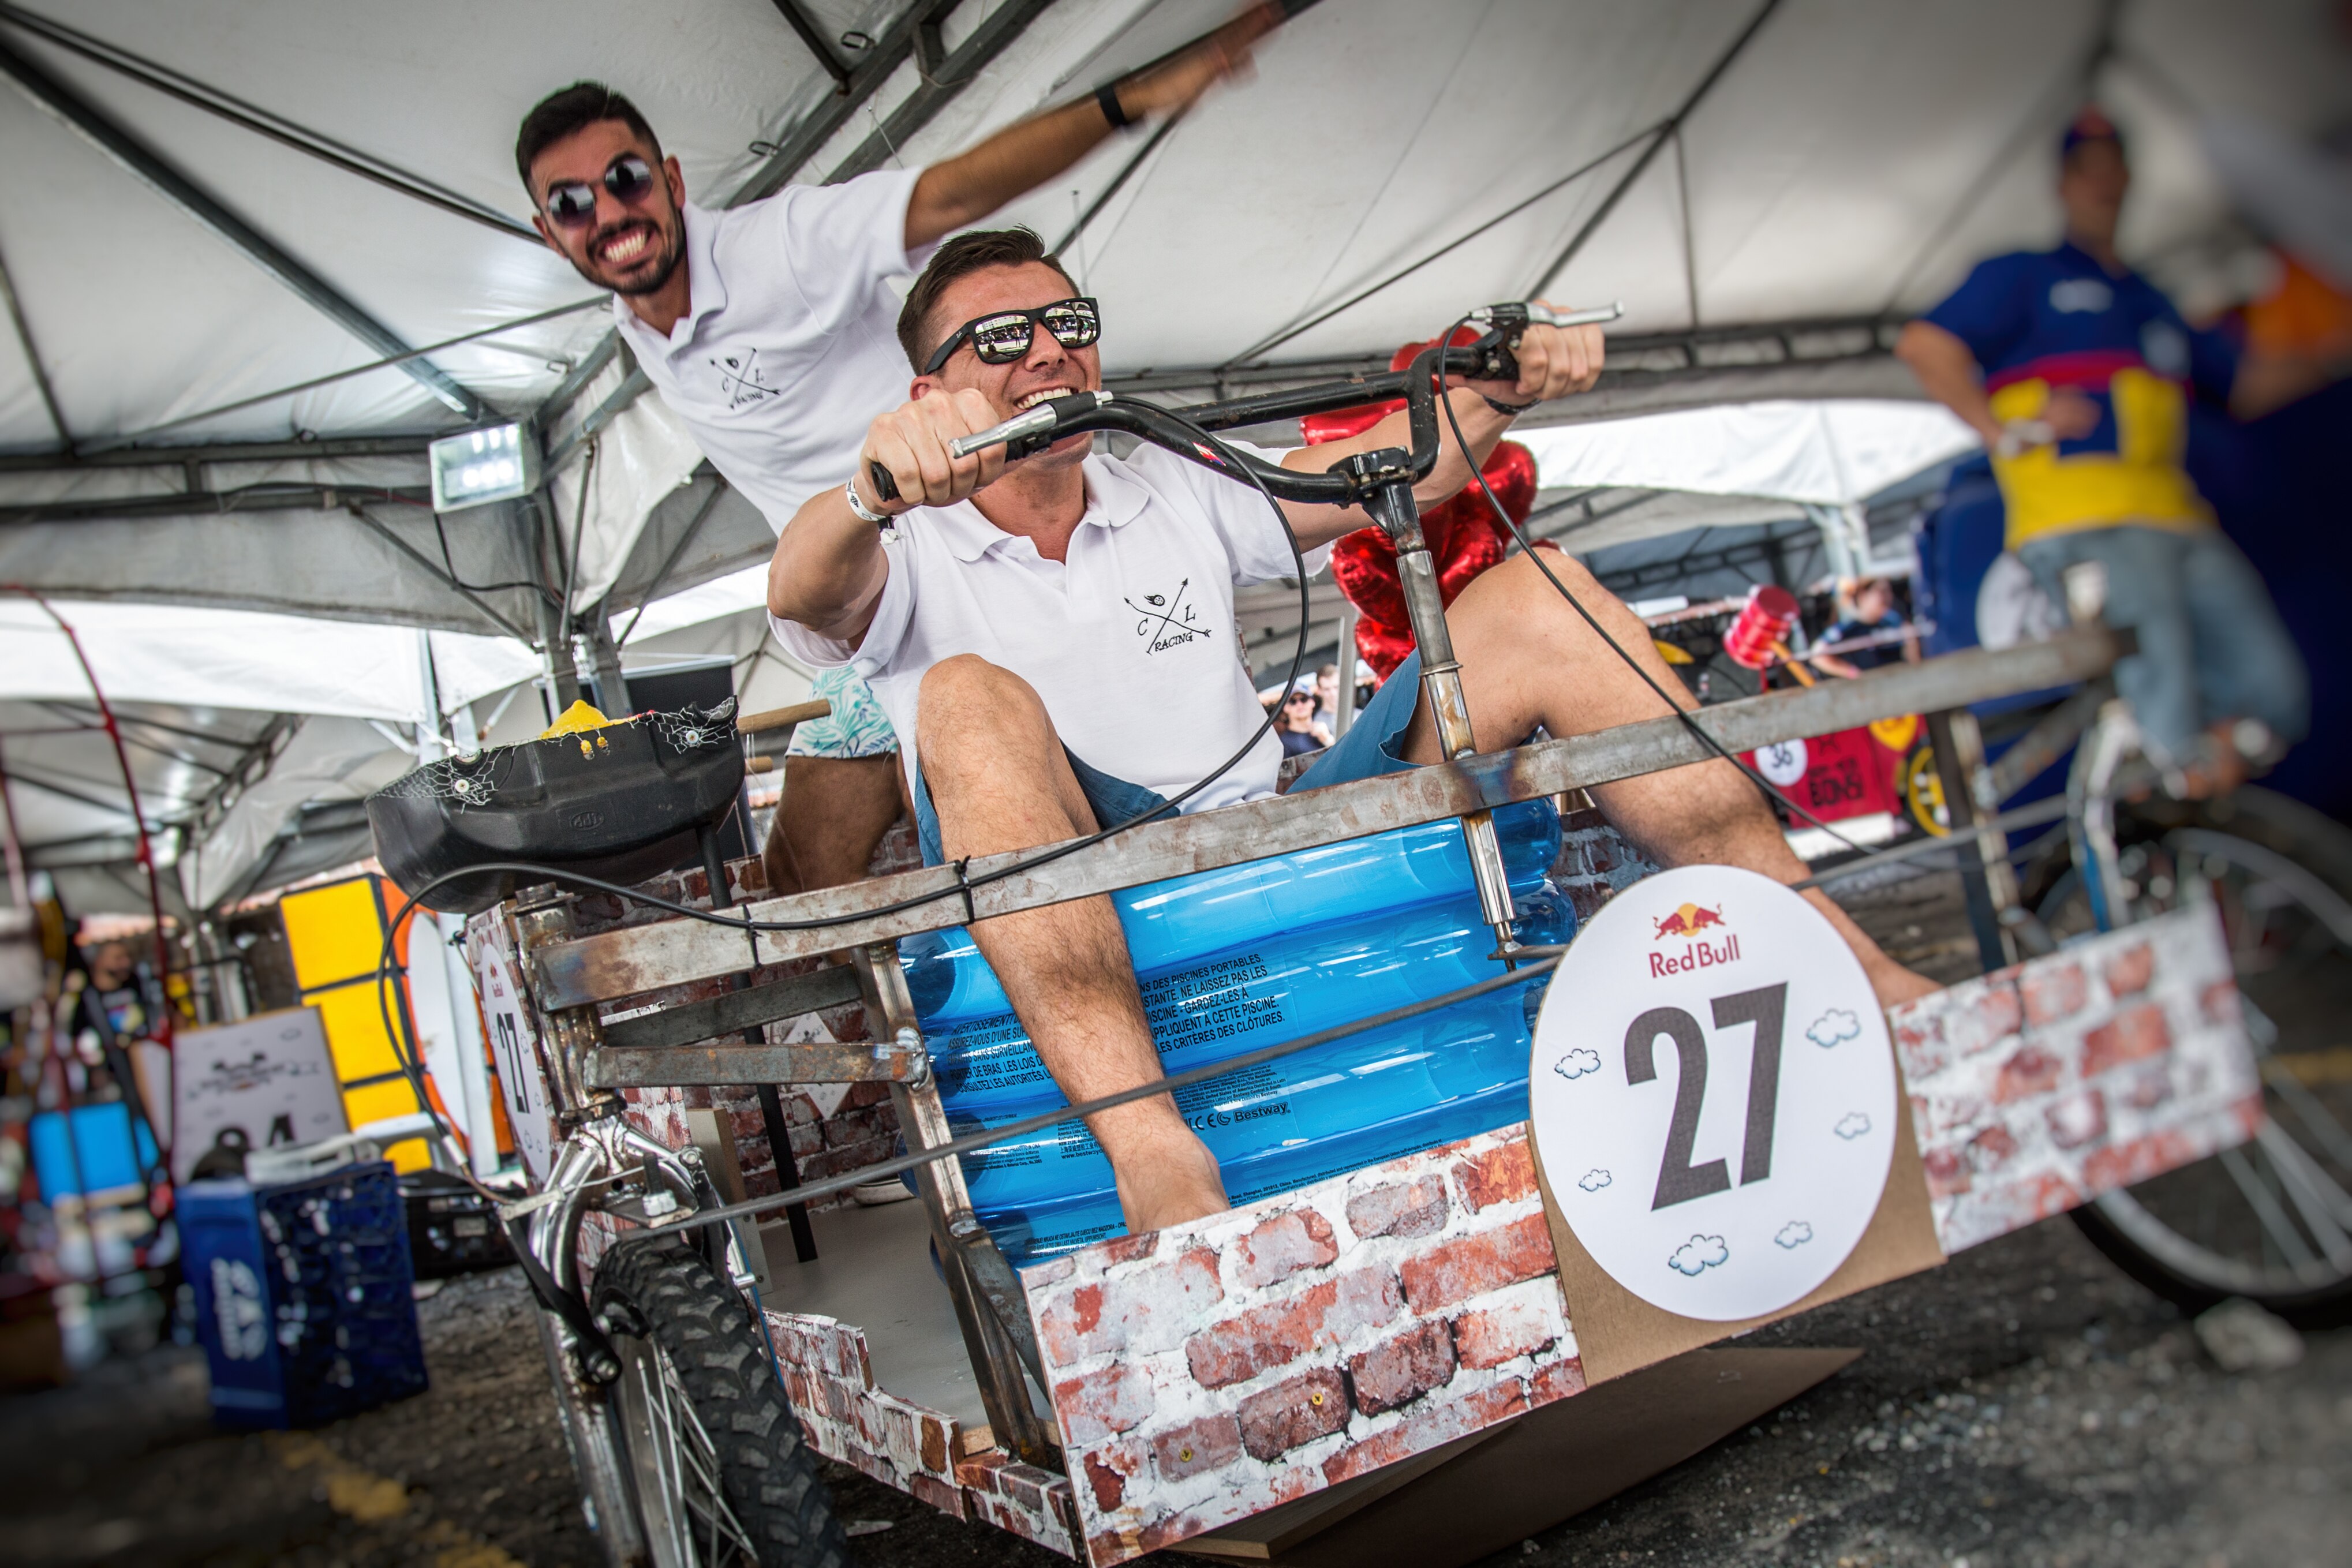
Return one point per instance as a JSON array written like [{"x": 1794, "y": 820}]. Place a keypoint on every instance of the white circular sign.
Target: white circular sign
[
  {"x": 1782, "y": 763},
  {"x": 1713, "y": 1093}
]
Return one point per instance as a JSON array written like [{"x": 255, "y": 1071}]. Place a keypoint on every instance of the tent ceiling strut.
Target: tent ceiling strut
[
  {"x": 249, "y": 117},
  {"x": 31, "y": 353},
  {"x": 1673, "y": 126},
  {"x": 54, "y": 98}
]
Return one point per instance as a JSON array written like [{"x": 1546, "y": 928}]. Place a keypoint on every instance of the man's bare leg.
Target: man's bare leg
[
  {"x": 1000, "y": 780},
  {"x": 832, "y": 812},
  {"x": 1528, "y": 659}
]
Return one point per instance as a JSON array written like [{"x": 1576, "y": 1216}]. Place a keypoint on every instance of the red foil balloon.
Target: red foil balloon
[{"x": 1463, "y": 538}]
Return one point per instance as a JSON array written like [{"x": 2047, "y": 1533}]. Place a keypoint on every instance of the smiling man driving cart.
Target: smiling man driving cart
[{"x": 991, "y": 603}]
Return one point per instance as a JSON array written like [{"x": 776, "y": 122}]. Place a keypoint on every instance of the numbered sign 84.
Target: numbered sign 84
[{"x": 1713, "y": 1093}]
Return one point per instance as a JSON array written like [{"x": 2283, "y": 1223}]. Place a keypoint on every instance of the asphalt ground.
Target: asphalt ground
[{"x": 2025, "y": 1407}]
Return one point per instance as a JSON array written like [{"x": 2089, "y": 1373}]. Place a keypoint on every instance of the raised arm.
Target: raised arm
[
  {"x": 1554, "y": 361},
  {"x": 1024, "y": 156}
]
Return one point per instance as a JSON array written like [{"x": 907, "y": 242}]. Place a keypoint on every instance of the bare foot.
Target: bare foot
[{"x": 1170, "y": 1184}]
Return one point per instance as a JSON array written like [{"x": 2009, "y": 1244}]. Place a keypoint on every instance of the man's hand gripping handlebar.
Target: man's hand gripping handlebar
[{"x": 1493, "y": 358}]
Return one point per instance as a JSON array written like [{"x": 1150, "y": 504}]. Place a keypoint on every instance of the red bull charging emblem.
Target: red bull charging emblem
[{"x": 1688, "y": 921}]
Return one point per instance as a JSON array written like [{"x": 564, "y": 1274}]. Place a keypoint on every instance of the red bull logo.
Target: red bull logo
[{"x": 1688, "y": 921}]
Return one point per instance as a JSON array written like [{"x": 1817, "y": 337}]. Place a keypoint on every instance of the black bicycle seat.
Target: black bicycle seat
[{"x": 622, "y": 803}]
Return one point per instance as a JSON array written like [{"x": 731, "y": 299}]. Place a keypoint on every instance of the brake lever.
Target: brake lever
[
  {"x": 1498, "y": 350},
  {"x": 1025, "y": 434}
]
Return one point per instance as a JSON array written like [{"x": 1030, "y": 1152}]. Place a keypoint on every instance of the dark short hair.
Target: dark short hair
[
  {"x": 965, "y": 254},
  {"x": 573, "y": 108}
]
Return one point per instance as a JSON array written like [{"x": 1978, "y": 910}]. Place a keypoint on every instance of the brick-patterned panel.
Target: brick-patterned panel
[
  {"x": 2036, "y": 1088},
  {"x": 830, "y": 1378},
  {"x": 1245, "y": 1359}
]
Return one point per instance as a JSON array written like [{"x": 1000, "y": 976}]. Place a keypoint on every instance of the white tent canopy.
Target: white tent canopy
[{"x": 239, "y": 202}]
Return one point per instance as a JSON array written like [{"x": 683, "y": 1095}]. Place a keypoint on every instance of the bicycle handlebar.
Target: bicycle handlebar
[{"x": 1492, "y": 358}]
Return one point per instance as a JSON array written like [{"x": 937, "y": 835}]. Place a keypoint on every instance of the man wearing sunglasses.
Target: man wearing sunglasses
[
  {"x": 768, "y": 329},
  {"x": 1007, "y": 598}
]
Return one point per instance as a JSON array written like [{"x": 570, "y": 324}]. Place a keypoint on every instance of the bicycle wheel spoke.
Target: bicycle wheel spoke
[
  {"x": 2311, "y": 1111},
  {"x": 2274, "y": 1222},
  {"x": 2325, "y": 1207}
]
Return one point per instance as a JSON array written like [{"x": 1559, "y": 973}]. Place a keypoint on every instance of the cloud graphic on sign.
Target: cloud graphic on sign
[
  {"x": 1577, "y": 1063},
  {"x": 1796, "y": 1233},
  {"x": 1835, "y": 1025},
  {"x": 1851, "y": 1125},
  {"x": 1697, "y": 1255},
  {"x": 1594, "y": 1181}
]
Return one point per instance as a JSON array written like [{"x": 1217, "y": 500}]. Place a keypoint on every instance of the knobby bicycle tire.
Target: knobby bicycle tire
[{"x": 768, "y": 1473}]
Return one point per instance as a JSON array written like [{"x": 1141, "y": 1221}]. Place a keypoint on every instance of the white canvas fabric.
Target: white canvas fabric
[
  {"x": 1129, "y": 642},
  {"x": 790, "y": 347}
]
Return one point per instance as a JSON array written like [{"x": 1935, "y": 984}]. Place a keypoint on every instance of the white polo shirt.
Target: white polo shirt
[
  {"x": 790, "y": 347},
  {"x": 1129, "y": 642}
]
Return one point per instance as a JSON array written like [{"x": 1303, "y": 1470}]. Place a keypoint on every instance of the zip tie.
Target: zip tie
[{"x": 963, "y": 885}]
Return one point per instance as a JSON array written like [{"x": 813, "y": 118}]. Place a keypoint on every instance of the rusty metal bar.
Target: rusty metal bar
[
  {"x": 641, "y": 958},
  {"x": 738, "y": 1062},
  {"x": 691, "y": 1022}
]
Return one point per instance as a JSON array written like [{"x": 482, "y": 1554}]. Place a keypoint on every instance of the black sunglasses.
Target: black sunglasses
[
  {"x": 1001, "y": 337},
  {"x": 573, "y": 203}
]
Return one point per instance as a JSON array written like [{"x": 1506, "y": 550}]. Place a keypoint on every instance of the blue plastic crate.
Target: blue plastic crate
[{"x": 303, "y": 1295}]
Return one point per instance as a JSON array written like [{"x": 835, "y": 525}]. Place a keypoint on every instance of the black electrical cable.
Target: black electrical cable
[{"x": 1674, "y": 707}]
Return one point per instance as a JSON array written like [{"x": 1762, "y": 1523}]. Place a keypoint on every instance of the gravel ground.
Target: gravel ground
[{"x": 2025, "y": 1407}]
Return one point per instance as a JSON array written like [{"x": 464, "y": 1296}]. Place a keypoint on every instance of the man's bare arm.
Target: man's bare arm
[
  {"x": 1022, "y": 157},
  {"x": 1554, "y": 361},
  {"x": 1947, "y": 372}
]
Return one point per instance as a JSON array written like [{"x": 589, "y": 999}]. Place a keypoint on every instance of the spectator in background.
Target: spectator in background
[
  {"x": 1866, "y": 608},
  {"x": 1327, "y": 698},
  {"x": 1297, "y": 725},
  {"x": 2077, "y": 371}
]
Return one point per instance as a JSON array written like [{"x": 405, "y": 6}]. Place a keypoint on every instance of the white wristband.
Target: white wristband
[{"x": 865, "y": 512}]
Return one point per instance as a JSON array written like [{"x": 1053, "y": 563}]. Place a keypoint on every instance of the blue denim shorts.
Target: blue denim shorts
[{"x": 1368, "y": 750}]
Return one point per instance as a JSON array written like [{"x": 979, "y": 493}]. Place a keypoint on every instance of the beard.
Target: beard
[{"x": 673, "y": 243}]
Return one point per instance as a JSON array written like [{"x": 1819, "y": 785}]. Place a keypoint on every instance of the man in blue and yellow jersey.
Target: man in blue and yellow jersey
[{"x": 2079, "y": 375}]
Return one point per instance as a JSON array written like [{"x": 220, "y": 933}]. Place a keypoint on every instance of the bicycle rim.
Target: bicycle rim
[
  {"x": 2271, "y": 1220},
  {"x": 686, "y": 1520}
]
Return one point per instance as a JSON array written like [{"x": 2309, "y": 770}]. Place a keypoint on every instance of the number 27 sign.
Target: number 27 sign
[{"x": 1713, "y": 1093}]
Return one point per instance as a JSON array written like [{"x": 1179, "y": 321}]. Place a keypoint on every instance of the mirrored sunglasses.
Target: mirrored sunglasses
[
  {"x": 1003, "y": 336},
  {"x": 573, "y": 203}
]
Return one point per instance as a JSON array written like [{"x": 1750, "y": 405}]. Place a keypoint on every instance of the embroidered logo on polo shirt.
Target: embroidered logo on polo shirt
[
  {"x": 2080, "y": 296},
  {"x": 1163, "y": 624},
  {"x": 739, "y": 374}
]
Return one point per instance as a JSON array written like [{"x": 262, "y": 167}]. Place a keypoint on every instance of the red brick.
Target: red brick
[
  {"x": 1094, "y": 1406},
  {"x": 2151, "y": 1088},
  {"x": 1110, "y": 1487},
  {"x": 1278, "y": 1333},
  {"x": 2079, "y": 1119},
  {"x": 1284, "y": 1245},
  {"x": 2036, "y": 1197},
  {"x": 1142, "y": 1311},
  {"x": 1125, "y": 1250},
  {"x": 2129, "y": 971},
  {"x": 2122, "y": 1164},
  {"x": 1031, "y": 1487},
  {"x": 1995, "y": 1013},
  {"x": 2129, "y": 1036},
  {"x": 1472, "y": 1265},
  {"x": 1557, "y": 1381},
  {"x": 1400, "y": 1370},
  {"x": 1502, "y": 1175},
  {"x": 1294, "y": 1411},
  {"x": 1493, "y": 1335},
  {"x": 939, "y": 1440},
  {"x": 1947, "y": 1172},
  {"x": 2029, "y": 1070},
  {"x": 978, "y": 1471},
  {"x": 1919, "y": 1041},
  {"x": 1418, "y": 1208},
  {"x": 1442, "y": 1422},
  {"x": 1992, "y": 1149},
  {"x": 2054, "y": 993},
  {"x": 2219, "y": 1002},
  {"x": 1196, "y": 1446},
  {"x": 940, "y": 1495}
]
